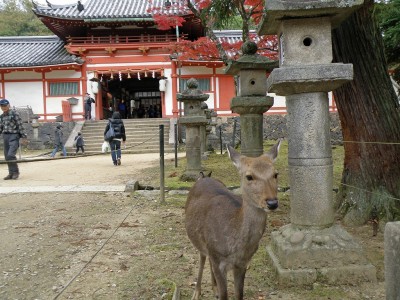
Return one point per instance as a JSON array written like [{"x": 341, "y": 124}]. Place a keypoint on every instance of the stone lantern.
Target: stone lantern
[
  {"x": 193, "y": 119},
  {"x": 311, "y": 248},
  {"x": 252, "y": 100},
  {"x": 35, "y": 143}
]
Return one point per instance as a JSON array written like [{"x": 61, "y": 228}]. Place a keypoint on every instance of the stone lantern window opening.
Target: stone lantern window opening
[{"x": 307, "y": 41}]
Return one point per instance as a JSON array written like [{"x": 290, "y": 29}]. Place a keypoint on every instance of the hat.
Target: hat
[{"x": 4, "y": 102}]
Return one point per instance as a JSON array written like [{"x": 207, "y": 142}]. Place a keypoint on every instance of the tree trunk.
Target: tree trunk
[{"x": 370, "y": 116}]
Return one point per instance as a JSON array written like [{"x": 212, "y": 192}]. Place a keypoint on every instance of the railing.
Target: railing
[{"x": 118, "y": 39}]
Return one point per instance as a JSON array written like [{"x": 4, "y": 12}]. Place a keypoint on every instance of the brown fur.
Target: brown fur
[{"x": 227, "y": 228}]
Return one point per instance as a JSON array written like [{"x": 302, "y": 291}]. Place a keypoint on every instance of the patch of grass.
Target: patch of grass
[{"x": 223, "y": 169}]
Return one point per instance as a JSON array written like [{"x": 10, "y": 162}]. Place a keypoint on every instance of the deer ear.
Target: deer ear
[
  {"x": 273, "y": 152},
  {"x": 234, "y": 156}
]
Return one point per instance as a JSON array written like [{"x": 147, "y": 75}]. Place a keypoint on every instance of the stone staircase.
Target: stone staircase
[{"x": 142, "y": 136}]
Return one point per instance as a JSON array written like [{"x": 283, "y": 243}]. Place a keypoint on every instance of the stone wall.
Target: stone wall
[
  {"x": 274, "y": 128},
  {"x": 46, "y": 134}
]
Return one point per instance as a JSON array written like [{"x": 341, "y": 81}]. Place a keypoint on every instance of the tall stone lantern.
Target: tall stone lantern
[
  {"x": 311, "y": 248},
  {"x": 193, "y": 119},
  {"x": 252, "y": 100}
]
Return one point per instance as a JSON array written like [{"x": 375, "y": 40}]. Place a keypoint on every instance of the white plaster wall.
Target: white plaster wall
[
  {"x": 187, "y": 70},
  {"x": 168, "y": 93},
  {"x": 63, "y": 74},
  {"x": 220, "y": 70},
  {"x": 23, "y": 76},
  {"x": 23, "y": 94},
  {"x": 210, "y": 101},
  {"x": 53, "y": 104}
]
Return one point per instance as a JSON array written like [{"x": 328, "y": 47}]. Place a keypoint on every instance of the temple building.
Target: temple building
[{"x": 113, "y": 50}]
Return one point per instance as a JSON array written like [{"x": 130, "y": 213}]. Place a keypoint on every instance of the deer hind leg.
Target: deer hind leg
[
  {"x": 197, "y": 291},
  {"x": 238, "y": 275},
  {"x": 219, "y": 271},
  {"x": 213, "y": 281}
]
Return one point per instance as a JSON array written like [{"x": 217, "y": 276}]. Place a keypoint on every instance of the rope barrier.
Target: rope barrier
[
  {"x": 364, "y": 190},
  {"x": 93, "y": 256},
  {"x": 379, "y": 143}
]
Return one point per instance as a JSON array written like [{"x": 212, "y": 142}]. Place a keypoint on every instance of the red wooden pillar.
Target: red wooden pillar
[{"x": 67, "y": 112}]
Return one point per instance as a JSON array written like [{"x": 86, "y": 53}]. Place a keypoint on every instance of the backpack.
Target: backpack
[{"x": 110, "y": 134}]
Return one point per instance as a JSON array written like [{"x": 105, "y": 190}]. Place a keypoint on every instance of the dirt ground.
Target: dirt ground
[{"x": 114, "y": 245}]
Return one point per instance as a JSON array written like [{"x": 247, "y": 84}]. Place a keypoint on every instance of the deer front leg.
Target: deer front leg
[
  {"x": 197, "y": 291},
  {"x": 220, "y": 277},
  {"x": 239, "y": 274},
  {"x": 213, "y": 282}
]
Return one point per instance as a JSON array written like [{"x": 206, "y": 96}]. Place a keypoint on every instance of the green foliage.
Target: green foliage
[
  {"x": 388, "y": 15},
  {"x": 219, "y": 13},
  {"x": 18, "y": 19}
]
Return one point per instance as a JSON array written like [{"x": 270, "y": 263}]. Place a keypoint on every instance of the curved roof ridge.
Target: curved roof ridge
[
  {"x": 100, "y": 9},
  {"x": 53, "y": 6},
  {"x": 32, "y": 38}
]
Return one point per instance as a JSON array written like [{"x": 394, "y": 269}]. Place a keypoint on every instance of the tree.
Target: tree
[
  {"x": 388, "y": 14},
  {"x": 213, "y": 15},
  {"x": 370, "y": 116},
  {"x": 368, "y": 107},
  {"x": 17, "y": 19}
]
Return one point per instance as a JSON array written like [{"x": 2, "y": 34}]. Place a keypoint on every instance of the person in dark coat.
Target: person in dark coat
[
  {"x": 79, "y": 143},
  {"x": 58, "y": 142},
  {"x": 88, "y": 106},
  {"x": 115, "y": 144},
  {"x": 12, "y": 129}
]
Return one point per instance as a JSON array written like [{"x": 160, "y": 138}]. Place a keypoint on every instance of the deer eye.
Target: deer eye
[
  {"x": 249, "y": 177},
  {"x": 276, "y": 175}
]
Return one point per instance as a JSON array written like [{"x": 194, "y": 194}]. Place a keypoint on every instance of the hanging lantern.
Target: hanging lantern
[
  {"x": 129, "y": 75},
  {"x": 138, "y": 75},
  {"x": 154, "y": 74},
  {"x": 112, "y": 76},
  {"x": 162, "y": 84},
  {"x": 145, "y": 73},
  {"x": 101, "y": 78},
  {"x": 94, "y": 87},
  {"x": 120, "y": 75}
]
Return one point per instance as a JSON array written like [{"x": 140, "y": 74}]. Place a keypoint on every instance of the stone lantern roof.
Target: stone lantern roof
[
  {"x": 279, "y": 10},
  {"x": 250, "y": 60}
]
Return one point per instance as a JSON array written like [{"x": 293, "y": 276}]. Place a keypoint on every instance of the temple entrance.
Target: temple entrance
[{"x": 134, "y": 95}]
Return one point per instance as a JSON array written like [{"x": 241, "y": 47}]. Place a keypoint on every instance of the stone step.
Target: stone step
[{"x": 142, "y": 136}]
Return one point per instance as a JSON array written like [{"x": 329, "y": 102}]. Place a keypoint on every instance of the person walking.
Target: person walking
[
  {"x": 115, "y": 144},
  {"x": 58, "y": 142},
  {"x": 12, "y": 129},
  {"x": 79, "y": 143},
  {"x": 88, "y": 106}
]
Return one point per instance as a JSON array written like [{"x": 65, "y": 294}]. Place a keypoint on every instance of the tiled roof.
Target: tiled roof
[
  {"x": 34, "y": 51},
  {"x": 100, "y": 9}
]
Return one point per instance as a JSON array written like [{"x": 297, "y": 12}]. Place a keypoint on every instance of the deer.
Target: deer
[{"x": 226, "y": 227}]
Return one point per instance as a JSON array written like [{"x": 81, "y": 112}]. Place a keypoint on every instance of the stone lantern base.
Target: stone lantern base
[{"x": 302, "y": 256}]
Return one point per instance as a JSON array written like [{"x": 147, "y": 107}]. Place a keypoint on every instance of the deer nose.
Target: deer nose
[{"x": 272, "y": 204}]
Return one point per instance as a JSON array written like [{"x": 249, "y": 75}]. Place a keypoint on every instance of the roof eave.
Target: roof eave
[{"x": 41, "y": 66}]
